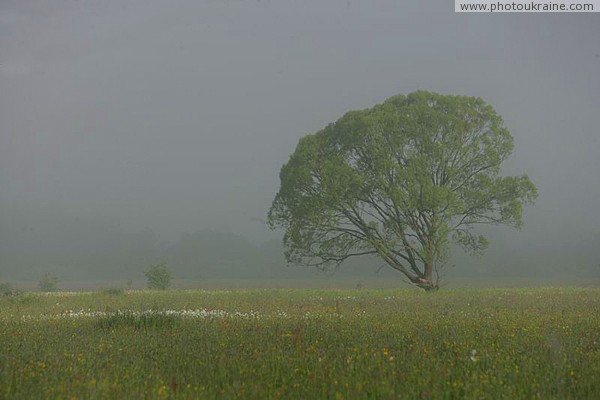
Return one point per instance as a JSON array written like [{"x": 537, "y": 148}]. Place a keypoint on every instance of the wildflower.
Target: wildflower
[{"x": 473, "y": 355}]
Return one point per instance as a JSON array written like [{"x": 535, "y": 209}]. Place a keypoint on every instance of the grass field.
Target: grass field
[{"x": 305, "y": 344}]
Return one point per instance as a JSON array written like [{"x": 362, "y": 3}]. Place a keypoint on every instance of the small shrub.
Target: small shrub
[
  {"x": 17, "y": 296},
  {"x": 158, "y": 276},
  {"x": 48, "y": 283},
  {"x": 6, "y": 289}
]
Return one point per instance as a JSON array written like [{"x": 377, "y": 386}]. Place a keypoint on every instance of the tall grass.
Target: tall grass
[
  {"x": 146, "y": 320},
  {"x": 303, "y": 344}
]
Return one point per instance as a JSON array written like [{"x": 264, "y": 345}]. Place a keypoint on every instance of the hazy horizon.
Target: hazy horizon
[{"x": 177, "y": 117}]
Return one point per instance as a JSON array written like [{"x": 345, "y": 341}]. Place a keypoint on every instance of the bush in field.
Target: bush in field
[
  {"x": 48, "y": 283},
  {"x": 6, "y": 289},
  {"x": 158, "y": 276}
]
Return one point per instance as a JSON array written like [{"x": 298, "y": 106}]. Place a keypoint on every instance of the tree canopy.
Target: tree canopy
[{"x": 400, "y": 181}]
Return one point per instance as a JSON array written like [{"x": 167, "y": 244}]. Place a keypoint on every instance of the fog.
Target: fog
[{"x": 145, "y": 131}]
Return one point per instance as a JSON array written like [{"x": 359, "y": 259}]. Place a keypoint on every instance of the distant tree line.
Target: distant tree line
[{"x": 34, "y": 243}]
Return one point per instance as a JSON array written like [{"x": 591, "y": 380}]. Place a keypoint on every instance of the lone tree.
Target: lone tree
[
  {"x": 158, "y": 276},
  {"x": 399, "y": 181},
  {"x": 48, "y": 283}
]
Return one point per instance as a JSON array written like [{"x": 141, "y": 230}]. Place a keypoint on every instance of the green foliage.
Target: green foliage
[
  {"x": 399, "y": 181},
  {"x": 158, "y": 276},
  {"x": 48, "y": 283},
  {"x": 305, "y": 344}
]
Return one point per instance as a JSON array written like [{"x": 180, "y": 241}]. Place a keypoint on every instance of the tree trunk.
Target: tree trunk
[
  {"x": 426, "y": 282},
  {"x": 428, "y": 272}
]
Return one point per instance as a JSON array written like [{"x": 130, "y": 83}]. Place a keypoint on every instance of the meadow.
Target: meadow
[{"x": 538, "y": 343}]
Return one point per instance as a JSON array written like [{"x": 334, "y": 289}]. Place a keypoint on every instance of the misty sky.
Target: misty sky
[{"x": 177, "y": 116}]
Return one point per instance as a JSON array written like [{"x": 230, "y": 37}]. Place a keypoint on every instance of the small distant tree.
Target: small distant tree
[
  {"x": 48, "y": 283},
  {"x": 158, "y": 276}
]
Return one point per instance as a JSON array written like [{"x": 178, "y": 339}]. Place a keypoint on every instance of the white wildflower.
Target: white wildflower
[{"x": 473, "y": 355}]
